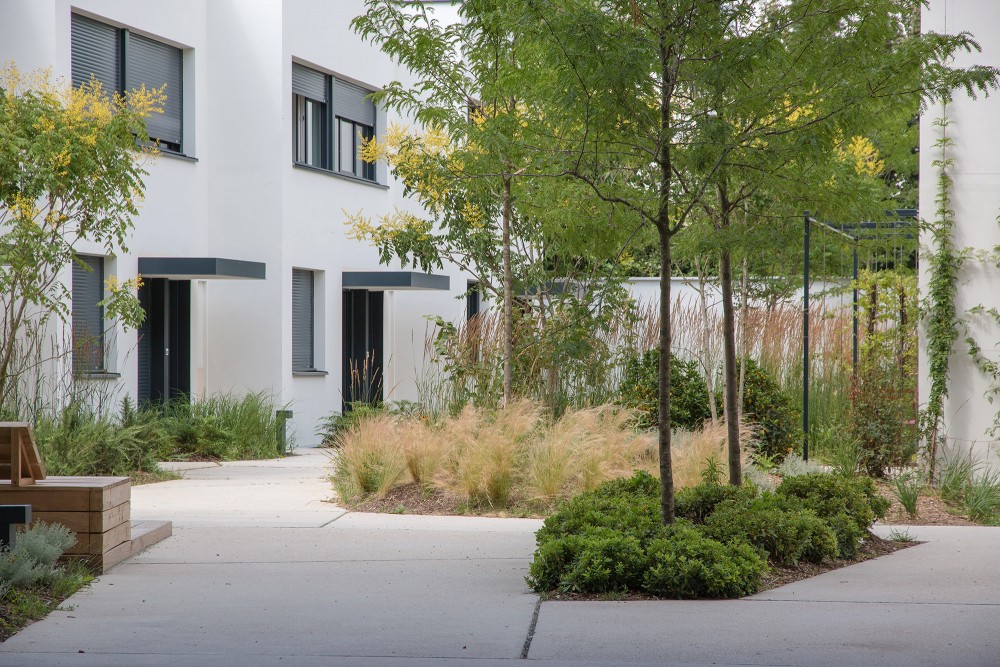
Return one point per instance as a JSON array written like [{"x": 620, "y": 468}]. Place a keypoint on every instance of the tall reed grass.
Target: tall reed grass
[{"x": 467, "y": 367}]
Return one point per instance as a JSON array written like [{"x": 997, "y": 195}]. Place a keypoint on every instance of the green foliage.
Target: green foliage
[
  {"x": 688, "y": 565},
  {"x": 883, "y": 415},
  {"x": 629, "y": 513},
  {"x": 71, "y": 173},
  {"x": 780, "y": 526},
  {"x": 849, "y": 504},
  {"x": 31, "y": 584},
  {"x": 981, "y": 499},
  {"x": 688, "y": 392},
  {"x": 907, "y": 487},
  {"x": 34, "y": 556},
  {"x": 608, "y": 561},
  {"x": 226, "y": 426},
  {"x": 765, "y": 405},
  {"x": 79, "y": 442},
  {"x": 941, "y": 321},
  {"x": 696, "y": 503}
]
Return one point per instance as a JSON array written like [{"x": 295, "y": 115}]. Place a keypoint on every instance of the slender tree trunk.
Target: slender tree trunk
[
  {"x": 729, "y": 368},
  {"x": 664, "y": 162},
  {"x": 666, "y": 466},
  {"x": 508, "y": 306}
]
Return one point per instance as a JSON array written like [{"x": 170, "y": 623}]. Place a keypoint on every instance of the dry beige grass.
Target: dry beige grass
[
  {"x": 692, "y": 450},
  {"x": 498, "y": 458}
]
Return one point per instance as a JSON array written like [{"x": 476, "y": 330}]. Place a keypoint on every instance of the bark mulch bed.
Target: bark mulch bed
[
  {"x": 411, "y": 499},
  {"x": 931, "y": 510}
]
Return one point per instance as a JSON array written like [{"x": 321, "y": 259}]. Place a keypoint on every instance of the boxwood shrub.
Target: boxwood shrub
[
  {"x": 780, "y": 526},
  {"x": 611, "y": 540},
  {"x": 848, "y": 504},
  {"x": 685, "y": 564}
]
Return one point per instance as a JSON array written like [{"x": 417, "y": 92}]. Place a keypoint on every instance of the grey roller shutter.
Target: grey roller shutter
[
  {"x": 95, "y": 50},
  {"x": 152, "y": 63},
  {"x": 349, "y": 102},
  {"x": 308, "y": 83},
  {"x": 88, "y": 315},
  {"x": 303, "y": 330}
]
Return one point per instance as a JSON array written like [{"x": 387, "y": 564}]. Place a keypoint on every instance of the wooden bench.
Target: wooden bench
[{"x": 95, "y": 509}]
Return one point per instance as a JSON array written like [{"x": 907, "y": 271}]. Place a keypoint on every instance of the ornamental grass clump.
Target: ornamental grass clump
[
  {"x": 370, "y": 459},
  {"x": 493, "y": 459}
]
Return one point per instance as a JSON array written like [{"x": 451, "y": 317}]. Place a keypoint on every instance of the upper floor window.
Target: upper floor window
[
  {"x": 333, "y": 118},
  {"x": 122, "y": 60}
]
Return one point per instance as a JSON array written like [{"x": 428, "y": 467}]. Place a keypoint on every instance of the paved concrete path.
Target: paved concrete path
[{"x": 262, "y": 570}]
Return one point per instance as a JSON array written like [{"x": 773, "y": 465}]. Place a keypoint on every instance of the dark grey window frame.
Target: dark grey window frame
[
  {"x": 174, "y": 108},
  {"x": 304, "y": 322},
  {"x": 325, "y": 136},
  {"x": 89, "y": 354}
]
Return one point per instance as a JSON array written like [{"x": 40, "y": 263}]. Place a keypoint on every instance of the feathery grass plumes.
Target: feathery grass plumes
[
  {"x": 370, "y": 459},
  {"x": 492, "y": 458}
]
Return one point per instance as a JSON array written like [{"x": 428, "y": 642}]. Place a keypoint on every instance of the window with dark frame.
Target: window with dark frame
[
  {"x": 333, "y": 119},
  {"x": 122, "y": 60},
  {"x": 303, "y": 320},
  {"x": 88, "y": 314},
  {"x": 472, "y": 300}
]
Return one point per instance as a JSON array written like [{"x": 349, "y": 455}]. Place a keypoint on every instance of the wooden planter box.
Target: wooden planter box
[{"x": 96, "y": 509}]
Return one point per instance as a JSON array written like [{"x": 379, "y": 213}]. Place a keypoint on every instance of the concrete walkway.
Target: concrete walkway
[{"x": 261, "y": 570}]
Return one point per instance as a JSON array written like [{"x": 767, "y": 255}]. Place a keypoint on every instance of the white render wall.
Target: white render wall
[
  {"x": 241, "y": 198},
  {"x": 976, "y": 204}
]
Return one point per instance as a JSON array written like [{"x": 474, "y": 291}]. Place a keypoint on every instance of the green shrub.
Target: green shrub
[
  {"x": 688, "y": 392},
  {"x": 849, "y": 504},
  {"x": 607, "y": 561},
  {"x": 34, "y": 556},
  {"x": 774, "y": 413},
  {"x": 78, "y": 442},
  {"x": 552, "y": 559},
  {"x": 778, "y": 525},
  {"x": 635, "y": 515},
  {"x": 641, "y": 483},
  {"x": 225, "y": 426},
  {"x": 684, "y": 564},
  {"x": 696, "y": 503}
]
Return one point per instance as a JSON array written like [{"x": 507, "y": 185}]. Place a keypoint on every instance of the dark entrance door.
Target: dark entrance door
[
  {"x": 363, "y": 348},
  {"x": 165, "y": 340}
]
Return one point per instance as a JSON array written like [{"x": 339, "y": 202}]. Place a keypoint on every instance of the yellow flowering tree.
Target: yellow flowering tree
[{"x": 71, "y": 170}]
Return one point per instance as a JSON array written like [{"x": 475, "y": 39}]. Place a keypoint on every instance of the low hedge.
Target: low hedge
[{"x": 611, "y": 541}]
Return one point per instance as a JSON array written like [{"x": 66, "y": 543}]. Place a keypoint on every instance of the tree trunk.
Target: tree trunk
[
  {"x": 666, "y": 467},
  {"x": 729, "y": 368},
  {"x": 508, "y": 306}
]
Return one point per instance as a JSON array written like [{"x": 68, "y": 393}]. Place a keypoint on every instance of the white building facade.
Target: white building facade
[
  {"x": 970, "y": 416},
  {"x": 251, "y": 281}
]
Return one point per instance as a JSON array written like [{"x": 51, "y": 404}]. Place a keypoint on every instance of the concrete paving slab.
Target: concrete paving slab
[
  {"x": 759, "y": 632},
  {"x": 291, "y": 545},
  {"x": 955, "y": 566},
  {"x": 476, "y": 608}
]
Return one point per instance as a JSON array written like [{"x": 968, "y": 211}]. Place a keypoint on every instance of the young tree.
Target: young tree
[
  {"x": 70, "y": 171},
  {"x": 478, "y": 158},
  {"x": 659, "y": 102}
]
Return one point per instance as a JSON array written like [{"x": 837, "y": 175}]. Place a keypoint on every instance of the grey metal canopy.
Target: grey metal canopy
[
  {"x": 200, "y": 268},
  {"x": 394, "y": 280}
]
